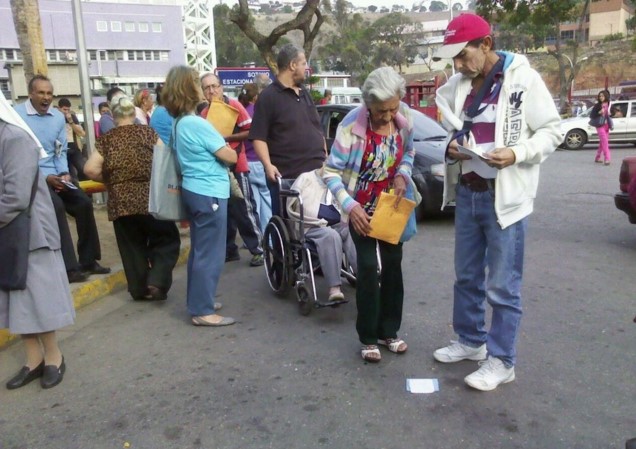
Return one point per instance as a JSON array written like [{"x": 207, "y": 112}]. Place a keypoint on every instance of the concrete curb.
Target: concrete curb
[{"x": 94, "y": 289}]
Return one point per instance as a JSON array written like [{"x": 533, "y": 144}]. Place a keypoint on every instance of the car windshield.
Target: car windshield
[{"x": 426, "y": 128}]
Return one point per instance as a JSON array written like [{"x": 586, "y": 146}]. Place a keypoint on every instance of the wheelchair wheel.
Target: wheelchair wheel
[
  {"x": 305, "y": 304},
  {"x": 278, "y": 258}
]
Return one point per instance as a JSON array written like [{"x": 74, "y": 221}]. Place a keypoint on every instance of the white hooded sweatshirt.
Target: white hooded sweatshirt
[{"x": 527, "y": 122}]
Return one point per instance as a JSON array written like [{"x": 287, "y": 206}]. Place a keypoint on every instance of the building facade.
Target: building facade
[{"x": 132, "y": 45}]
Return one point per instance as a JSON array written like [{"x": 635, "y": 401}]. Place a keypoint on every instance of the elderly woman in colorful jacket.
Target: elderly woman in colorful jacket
[{"x": 373, "y": 153}]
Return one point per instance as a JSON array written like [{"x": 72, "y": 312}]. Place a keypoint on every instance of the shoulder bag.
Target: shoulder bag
[
  {"x": 14, "y": 247},
  {"x": 164, "y": 199},
  {"x": 598, "y": 121}
]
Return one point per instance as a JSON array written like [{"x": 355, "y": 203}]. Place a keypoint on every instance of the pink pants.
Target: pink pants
[{"x": 603, "y": 143}]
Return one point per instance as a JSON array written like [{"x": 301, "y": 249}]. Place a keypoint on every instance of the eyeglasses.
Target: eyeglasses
[{"x": 211, "y": 86}]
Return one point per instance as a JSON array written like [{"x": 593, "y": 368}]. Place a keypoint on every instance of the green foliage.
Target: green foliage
[
  {"x": 630, "y": 24},
  {"x": 613, "y": 37},
  {"x": 634, "y": 44},
  {"x": 437, "y": 5},
  {"x": 233, "y": 48},
  {"x": 358, "y": 47},
  {"x": 396, "y": 40},
  {"x": 316, "y": 96}
]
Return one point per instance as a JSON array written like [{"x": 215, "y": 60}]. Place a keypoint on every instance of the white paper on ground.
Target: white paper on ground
[
  {"x": 422, "y": 385},
  {"x": 474, "y": 151}
]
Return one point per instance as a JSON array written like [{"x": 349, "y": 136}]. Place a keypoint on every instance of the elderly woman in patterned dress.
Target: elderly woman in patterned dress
[{"x": 149, "y": 248}]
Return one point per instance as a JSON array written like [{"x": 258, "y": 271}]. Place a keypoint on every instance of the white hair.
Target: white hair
[{"x": 383, "y": 84}]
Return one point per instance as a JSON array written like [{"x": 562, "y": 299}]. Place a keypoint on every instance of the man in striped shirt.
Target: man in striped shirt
[{"x": 503, "y": 124}]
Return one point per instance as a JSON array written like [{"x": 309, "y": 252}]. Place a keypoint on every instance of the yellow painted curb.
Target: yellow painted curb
[{"x": 89, "y": 292}]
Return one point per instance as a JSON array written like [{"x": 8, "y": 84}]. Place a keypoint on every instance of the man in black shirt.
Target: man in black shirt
[{"x": 286, "y": 128}]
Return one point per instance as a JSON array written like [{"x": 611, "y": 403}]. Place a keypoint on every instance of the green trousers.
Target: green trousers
[{"x": 378, "y": 298}]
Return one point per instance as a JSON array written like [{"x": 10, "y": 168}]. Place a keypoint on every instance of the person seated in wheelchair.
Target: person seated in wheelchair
[{"x": 324, "y": 228}]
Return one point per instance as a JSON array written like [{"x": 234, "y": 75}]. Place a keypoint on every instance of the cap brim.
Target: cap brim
[{"x": 449, "y": 51}]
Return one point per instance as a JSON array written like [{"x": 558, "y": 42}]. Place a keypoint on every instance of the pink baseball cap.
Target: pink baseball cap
[{"x": 460, "y": 31}]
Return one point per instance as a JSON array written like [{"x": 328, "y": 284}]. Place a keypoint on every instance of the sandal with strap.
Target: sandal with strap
[
  {"x": 396, "y": 345},
  {"x": 371, "y": 353}
]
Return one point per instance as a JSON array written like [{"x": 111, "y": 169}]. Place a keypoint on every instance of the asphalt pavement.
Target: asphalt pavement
[{"x": 140, "y": 376}]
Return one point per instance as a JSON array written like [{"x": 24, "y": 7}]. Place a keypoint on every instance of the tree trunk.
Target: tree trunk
[
  {"x": 265, "y": 44},
  {"x": 26, "y": 19}
]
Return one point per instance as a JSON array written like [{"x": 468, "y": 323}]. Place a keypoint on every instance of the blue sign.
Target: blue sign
[{"x": 233, "y": 77}]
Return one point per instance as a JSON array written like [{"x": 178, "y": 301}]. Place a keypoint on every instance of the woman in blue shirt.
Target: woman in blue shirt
[{"x": 202, "y": 155}]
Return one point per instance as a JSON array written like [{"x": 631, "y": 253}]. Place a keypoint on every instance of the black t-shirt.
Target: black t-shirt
[{"x": 290, "y": 125}]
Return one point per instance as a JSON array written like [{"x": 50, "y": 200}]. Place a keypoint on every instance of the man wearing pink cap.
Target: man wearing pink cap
[{"x": 500, "y": 108}]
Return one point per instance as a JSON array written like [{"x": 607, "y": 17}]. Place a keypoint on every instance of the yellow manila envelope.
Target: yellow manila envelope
[
  {"x": 223, "y": 117},
  {"x": 388, "y": 222},
  {"x": 92, "y": 186}
]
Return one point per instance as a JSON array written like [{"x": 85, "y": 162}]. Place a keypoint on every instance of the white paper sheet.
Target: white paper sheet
[
  {"x": 473, "y": 151},
  {"x": 422, "y": 385}
]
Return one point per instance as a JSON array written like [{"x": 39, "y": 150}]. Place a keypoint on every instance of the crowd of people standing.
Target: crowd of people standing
[{"x": 274, "y": 132}]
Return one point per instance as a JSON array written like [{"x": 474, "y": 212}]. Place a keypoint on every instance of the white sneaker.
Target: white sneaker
[
  {"x": 456, "y": 352},
  {"x": 490, "y": 375}
]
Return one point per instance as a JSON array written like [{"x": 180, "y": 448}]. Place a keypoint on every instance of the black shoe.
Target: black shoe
[
  {"x": 95, "y": 268},
  {"x": 76, "y": 276},
  {"x": 232, "y": 257},
  {"x": 25, "y": 375},
  {"x": 156, "y": 293},
  {"x": 52, "y": 375}
]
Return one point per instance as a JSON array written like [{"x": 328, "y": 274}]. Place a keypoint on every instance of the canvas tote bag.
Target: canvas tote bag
[{"x": 165, "y": 202}]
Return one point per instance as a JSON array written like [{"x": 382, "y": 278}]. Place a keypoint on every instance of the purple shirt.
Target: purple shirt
[{"x": 249, "y": 146}]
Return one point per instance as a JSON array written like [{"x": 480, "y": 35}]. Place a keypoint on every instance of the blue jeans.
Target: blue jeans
[
  {"x": 261, "y": 193},
  {"x": 480, "y": 243},
  {"x": 208, "y": 228}
]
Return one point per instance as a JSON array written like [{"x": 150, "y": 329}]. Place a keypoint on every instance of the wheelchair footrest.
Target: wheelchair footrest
[{"x": 320, "y": 304}]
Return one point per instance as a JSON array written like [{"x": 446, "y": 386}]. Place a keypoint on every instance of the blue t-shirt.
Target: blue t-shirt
[
  {"x": 50, "y": 129},
  {"x": 196, "y": 143},
  {"x": 161, "y": 121}
]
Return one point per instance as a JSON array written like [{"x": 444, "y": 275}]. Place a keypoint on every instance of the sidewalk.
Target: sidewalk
[{"x": 98, "y": 286}]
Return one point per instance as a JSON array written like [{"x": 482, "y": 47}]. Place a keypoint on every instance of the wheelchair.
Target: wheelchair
[{"x": 291, "y": 259}]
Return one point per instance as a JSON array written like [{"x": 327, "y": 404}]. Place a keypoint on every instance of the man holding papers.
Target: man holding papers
[{"x": 500, "y": 106}]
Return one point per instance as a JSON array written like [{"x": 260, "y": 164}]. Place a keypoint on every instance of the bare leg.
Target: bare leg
[
  {"x": 52, "y": 353},
  {"x": 33, "y": 350}
]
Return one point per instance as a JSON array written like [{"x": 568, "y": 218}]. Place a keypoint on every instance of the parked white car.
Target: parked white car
[{"x": 576, "y": 132}]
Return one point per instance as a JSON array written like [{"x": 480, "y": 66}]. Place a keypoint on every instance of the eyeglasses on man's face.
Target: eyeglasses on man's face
[{"x": 211, "y": 87}]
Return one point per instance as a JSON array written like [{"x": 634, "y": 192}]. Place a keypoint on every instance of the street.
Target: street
[{"x": 140, "y": 376}]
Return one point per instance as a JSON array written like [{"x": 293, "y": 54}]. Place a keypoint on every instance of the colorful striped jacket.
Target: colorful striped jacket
[{"x": 343, "y": 164}]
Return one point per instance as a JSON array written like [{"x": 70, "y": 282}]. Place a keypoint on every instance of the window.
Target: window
[
  {"x": 148, "y": 55},
  {"x": 92, "y": 55},
  {"x": 111, "y": 55},
  {"x": 115, "y": 26},
  {"x": 335, "y": 82},
  {"x": 102, "y": 25},
  {"x": 143, "y": 27},
  {"x": 567, "y": 35},
  {"x": 129, "y": 27},
  {"x": 164, "y": 56},
  {"x": 156, "y": 27},
  {"x": 52, "y": 56},
  {"x": 131, "y": 55}
]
